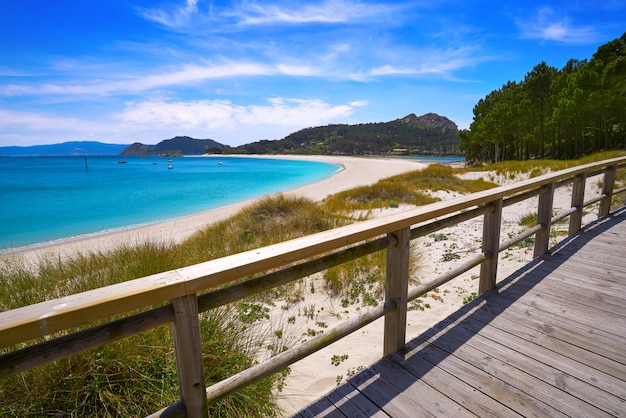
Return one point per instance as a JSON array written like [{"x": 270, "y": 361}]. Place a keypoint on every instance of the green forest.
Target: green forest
[{"x": 560, "y": 114}]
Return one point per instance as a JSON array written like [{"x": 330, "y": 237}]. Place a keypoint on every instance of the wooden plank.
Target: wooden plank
[
  {"x": 396, "y": 288},
  {"x": 555, "y": 304},
  {"x": 579, "y": 353},
  {"x": 581, "y": 296},
  {"x": 604, "y": 392},
  {"x": 189, "y": 362},
  {"x": 505, "y": 384},
  {"x": 608, "y": 184},
  {"x": 616, "y": 262},
  {"x": 578, "y": 198},
  {"x": 544, "y": 218},
  {"x": 354, "y": 405},
  {"x": 434, "y": 402},
  {"x": 543, "y": 303},
  {"x": 564, "y": 328},
  {"x": 605, "y": 280},
  {"x": 490, "y": 246},
  {"x": 537, "y": 385},
  {"x": 323, "y": 407},
  {"x": 469, "y": 396},
  {"x": 381, "y": 393}
]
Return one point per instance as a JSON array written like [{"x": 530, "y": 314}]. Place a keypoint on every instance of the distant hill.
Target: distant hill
[
  {"x": 65, "y": 148},
  {"x": 180, "y": 145},
  {"x": 429, "y": 134}
]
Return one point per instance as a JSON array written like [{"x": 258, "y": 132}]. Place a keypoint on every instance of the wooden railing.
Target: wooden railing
[{"x": 179, "y": 291}]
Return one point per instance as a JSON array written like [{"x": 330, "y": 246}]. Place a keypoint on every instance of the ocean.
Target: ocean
[{"x": 45, "y": 199}]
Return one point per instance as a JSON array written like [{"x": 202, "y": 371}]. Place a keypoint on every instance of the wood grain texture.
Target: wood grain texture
[{"x": 396, "y": 289}]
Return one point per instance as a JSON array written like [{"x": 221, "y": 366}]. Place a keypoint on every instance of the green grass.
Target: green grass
[
  {"x": 137, "y": 376},
  {"x": 529, "y": 220},
  {"x": 538, "y": 167},
  {"x": 442, "y": 177},
  {"x": 408, "y": 188}
]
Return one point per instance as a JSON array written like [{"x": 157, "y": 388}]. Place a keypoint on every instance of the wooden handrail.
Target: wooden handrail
[{"x": 177, "y": 290}]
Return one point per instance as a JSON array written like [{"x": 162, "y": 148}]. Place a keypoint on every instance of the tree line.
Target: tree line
[{"x": 561, "y": 114}]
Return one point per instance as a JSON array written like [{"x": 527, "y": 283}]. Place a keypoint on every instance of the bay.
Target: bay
[{"x": 46, "y": 199}]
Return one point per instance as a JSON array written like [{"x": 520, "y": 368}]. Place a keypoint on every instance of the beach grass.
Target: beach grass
[
  {"x": 537, "y": 167},
  {"x": 137, "y": 376},
  {"x": 410, "y": 188}
]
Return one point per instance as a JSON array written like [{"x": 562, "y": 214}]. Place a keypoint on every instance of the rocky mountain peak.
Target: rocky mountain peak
[{"x": 430, "y": 120}]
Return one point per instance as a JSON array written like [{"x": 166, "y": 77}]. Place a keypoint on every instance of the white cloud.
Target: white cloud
[
  {"x": 176, "y": 17},
  {"x": 10, "y": 119},
  {"x": 424, "y": 63},
  {"x": 359, "y": 103},
  {"x": 150, "y": 121},
  {"x": 545, "y": 26},
  {"x": 243, "y": 15},
  {"x": 324, "y": 12},
  {"x": 223, "y": 114},
  {"x": 185, "y": 75},
  {"x": 391, "y": 70}
]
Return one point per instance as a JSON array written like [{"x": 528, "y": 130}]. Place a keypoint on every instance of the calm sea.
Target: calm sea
[{"x": 51, "y": 198}]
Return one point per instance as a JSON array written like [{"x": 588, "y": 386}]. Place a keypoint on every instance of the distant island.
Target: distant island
[
  {"x": 177, "y": 146},
  {"x": 429, "y": 134},
  {"x": 78, "y": 148}
]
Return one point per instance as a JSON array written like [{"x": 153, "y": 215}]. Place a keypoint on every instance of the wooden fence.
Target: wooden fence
[{"x": 185, "y": 292}]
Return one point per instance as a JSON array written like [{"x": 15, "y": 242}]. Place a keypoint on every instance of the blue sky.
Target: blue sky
[{"x": 123, "y": 71}]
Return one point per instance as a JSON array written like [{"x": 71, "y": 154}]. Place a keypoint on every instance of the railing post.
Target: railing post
[
  {"x": 607, "y": 190},
  {"x": 578, "y": 200},
  {"x": 189, "y": 364},
  {"x": 544, "y": 218},
  {"x": 396, "y": 289},
  {"x": 491, "y": 244}
]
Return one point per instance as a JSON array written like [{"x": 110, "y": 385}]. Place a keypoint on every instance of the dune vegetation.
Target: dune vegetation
[{"x": 137, "y": 376}]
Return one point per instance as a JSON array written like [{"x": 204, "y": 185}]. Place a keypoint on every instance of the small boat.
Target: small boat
[
  {"x": 169, "y": 167},
  {"x": 121, "y": 162},
  {"x": 219, "y": 163}
]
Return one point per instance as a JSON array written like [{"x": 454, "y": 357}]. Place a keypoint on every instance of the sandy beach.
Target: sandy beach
[{"x": 353, "y": 172}]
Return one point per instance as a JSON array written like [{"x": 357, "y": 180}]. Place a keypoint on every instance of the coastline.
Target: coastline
[{"x": 353, "y": 172}]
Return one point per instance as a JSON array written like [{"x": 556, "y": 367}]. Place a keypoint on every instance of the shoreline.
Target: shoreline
[{"x": 353, "y": 172}]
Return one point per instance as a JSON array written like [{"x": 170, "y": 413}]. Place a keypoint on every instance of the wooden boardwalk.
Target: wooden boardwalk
[{"x": 550, "y": 341}]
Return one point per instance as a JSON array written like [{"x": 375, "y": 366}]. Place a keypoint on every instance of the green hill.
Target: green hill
[
  {"x": 429, "y": 134},
  {"x": 66, "y": 148},
  {"x": 180, "y": 145}
]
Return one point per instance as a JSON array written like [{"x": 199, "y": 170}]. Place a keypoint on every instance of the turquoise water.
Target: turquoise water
[{"x": 51, "y": 198}]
